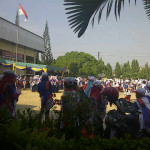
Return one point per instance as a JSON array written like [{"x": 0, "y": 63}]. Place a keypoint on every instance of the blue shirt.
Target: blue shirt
[{"x": 43, "y": 91}]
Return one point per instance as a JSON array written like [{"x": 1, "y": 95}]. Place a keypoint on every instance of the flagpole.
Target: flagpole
[
  {"x": 17, "y": 44},
  {"x": 21, "y": 11},
  {"x": 17, "y": 41}
]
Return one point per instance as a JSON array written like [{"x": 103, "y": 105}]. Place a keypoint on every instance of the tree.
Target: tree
[
  {"x": 82, "y": 11},
  {"x": 135, "y": 68},
  {"x": 47, "y": 57},
  {"x": 74, "y": 68},
  {"x": 43, "y": 57},
  {"x": 147, "y": 71},
  {"x": 74, "y": 57},
  {"x": 37, "y": 60},
  {"x": 144, "y": 72},
  {"x": 101, "y": 66},
  {"x": 126, "y": 70},
  {"x": 117, "y": 70},
  {"x": 84, "y": 63},
  {"x": 108, "y": 70},
  {"x": 89, "y": 69}
]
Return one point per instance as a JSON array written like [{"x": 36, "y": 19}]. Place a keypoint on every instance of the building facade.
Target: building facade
[{"x": 19, "y": 45}]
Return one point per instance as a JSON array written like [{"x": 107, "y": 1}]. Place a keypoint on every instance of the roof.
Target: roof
[{"x": 27, "y": 39}]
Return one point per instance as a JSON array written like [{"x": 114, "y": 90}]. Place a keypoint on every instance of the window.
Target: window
[{"x": 29, "y": 59}]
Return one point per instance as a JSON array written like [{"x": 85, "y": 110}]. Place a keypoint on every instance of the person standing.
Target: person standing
[
  {"x": 142, "y": 104},
  {"x": 95, "y": 93},
  {"x": 8, "y": 93},
  {"x": 69, "y": 101},
  {"x": 24, "y": 82},
  {"x": 45, "y": 91},
  {"x": 30, "y": 81},
  {"x": 148, "y": 89},
  {"x": 91, "y": 80}
]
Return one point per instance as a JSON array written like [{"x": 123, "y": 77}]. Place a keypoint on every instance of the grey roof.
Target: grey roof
[{"x": 8, "y": 33}]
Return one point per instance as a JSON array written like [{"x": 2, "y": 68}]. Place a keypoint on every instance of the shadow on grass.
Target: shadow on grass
[
  {"x": 60, "y": 91},
  {"x": 24, "y": 107},
  {"x": 52, "y": 113}
]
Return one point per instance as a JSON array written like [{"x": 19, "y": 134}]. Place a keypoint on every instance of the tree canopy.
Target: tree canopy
[
  {"x": 81, "y": 63},
  {"x": 84, "y": 64},
  {"x": 108, "y": 70},
  {"x": 117, "y": 70},
  {"x": 135, "y": 68},
  {"x": 47, "y": 57}
]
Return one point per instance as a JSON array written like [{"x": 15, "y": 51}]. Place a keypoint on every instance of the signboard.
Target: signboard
[{"x": 12, "y": 56}]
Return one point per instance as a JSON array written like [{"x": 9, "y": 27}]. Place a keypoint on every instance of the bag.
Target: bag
[{"x": 50, "y": 104}]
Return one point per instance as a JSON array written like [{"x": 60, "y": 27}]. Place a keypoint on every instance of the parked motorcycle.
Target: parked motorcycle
[{"x": 125, "y": 119}]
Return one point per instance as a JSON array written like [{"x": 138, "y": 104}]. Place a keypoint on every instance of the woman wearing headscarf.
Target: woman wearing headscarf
[{"x": 8, "y": 93}]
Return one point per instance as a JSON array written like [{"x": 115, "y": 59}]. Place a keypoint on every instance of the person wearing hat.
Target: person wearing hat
[
  {"x": 45, "y": 91},
  {"x": 142, "y": 104},
  {"x": 8, "y": 93}
]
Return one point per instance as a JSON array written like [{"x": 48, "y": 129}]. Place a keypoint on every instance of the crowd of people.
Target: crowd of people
[
  {"x": 127, "y": 86},
  {"x": 106, "y": 91},
  {"x": 32, "y": 82},
  {"x": 90, "y": 87}
]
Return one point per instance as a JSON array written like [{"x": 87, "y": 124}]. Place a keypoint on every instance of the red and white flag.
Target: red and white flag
[{"x": 23, "y": 12}]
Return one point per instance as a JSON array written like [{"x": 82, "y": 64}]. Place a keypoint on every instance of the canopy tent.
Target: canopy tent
[
  {"x": 23, "y": 65},
  {"x": 6, "y": 63},
  {"x": 58, "y": 70},
  {"x": 30, "y": 66},
  {"x": 55, "y": 70},
  {"x": 33, "y": 67}
]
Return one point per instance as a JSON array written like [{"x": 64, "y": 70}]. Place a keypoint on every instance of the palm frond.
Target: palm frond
[
  {"x": 81, "y": 11},
  {"x": 146, "y": 4}
]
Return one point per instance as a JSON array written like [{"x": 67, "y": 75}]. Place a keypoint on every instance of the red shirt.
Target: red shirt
[{"x": 95, "y": 93}]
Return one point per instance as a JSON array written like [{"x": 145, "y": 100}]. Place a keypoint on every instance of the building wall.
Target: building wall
[
  {"x": 23, "y": 51},
  {"x": 8, "y": 32}
]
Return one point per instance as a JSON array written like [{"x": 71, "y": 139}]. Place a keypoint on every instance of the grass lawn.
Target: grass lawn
[{"x": 29, "y": 99}]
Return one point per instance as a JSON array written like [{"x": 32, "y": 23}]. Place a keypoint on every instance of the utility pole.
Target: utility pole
[{"x": 98, "y": 55}]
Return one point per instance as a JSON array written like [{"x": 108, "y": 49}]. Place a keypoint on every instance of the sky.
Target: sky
[{"x": 116, "y": 41}]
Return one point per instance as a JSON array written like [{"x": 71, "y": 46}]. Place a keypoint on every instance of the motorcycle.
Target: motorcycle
[{"x": 123, "y": 120}]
